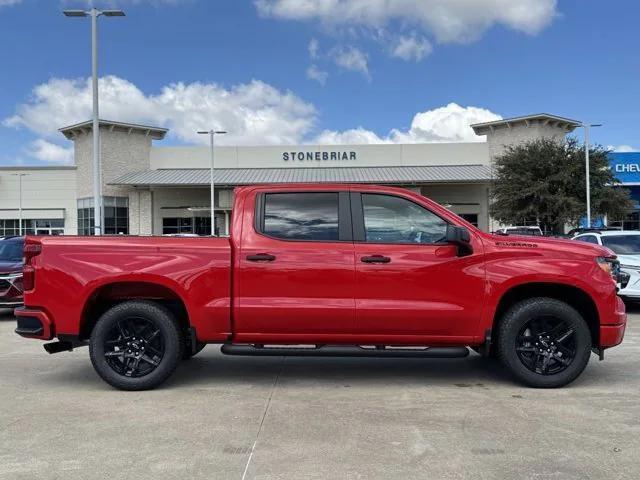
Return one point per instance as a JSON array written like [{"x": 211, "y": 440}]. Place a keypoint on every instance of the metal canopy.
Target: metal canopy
[{"x": 251, "y": 176}]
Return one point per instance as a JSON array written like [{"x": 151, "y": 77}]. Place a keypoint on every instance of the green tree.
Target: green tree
[{"x": 545, "y": 180}]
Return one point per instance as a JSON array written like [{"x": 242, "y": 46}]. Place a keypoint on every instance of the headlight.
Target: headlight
[
  {"x": 609, "y": 265},
  {"x": 11, "y": 276}
]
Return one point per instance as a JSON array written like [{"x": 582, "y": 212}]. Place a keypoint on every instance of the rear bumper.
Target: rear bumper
[
  {"x": 613, "y": 333},
  {"x": 33, "y": 324}
]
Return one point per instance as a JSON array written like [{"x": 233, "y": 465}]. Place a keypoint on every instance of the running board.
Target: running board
[{"x": 345, "y": 351}]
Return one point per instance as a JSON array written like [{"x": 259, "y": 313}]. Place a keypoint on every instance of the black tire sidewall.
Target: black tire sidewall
[
  {"x": 527, "y": 310},
  {"x": 166, "y": 323}
]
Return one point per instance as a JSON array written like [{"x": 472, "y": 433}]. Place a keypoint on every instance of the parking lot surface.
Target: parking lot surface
[{"x": 225, "y": 417}]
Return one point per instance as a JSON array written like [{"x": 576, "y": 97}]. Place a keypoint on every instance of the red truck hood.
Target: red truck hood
[
  {"x": 556, "y": 244},
  {"x": 10, "y": 267}
]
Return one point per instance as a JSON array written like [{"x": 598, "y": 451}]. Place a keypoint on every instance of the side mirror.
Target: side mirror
[{"x": 460, "y": 237}]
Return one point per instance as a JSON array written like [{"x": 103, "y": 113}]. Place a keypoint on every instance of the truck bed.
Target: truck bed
[{"x": 195, "y": 269}]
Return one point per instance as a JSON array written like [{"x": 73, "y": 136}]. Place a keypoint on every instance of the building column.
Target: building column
[{"x": 140, "y": 221}]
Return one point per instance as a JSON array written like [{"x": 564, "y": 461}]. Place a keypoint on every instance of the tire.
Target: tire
[
  {"x": 150, "y": 332},
  {"x": 544, "y": 342},
  {"x": 187, "y": 353}
]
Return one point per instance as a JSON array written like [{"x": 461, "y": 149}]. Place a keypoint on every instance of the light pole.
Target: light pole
[
  {"x": 97, "y": 187},
  {"x": 20, "y": 175},
  {"x": 586, "y": 127},
  {"x": 212, "y": 134}
]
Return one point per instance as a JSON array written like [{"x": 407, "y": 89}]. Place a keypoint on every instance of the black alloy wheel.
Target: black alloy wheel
[
  {"x": 544, "y": 342},
  {"x": 134, "y": 347},
  {"x": 546, "y": 345}
]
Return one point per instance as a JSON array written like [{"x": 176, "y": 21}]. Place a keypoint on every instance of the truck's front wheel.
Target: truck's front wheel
[
  {"x": 136, "y": 345},
  {"x": 544, "y": 342}
]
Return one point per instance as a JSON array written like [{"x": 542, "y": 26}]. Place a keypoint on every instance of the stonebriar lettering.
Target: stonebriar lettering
[{"x": 318, "y": 156}]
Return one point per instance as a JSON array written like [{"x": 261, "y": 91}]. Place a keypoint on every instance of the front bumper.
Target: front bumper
[
  {"x": 33, "y": 324},
  {"x": 11, "y": 290},
  {"x": 612, "y": 333},
  {"x": 631, "y": 288}
]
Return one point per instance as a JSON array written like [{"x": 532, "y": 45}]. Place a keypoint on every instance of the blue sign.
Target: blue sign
[{"x": 626, "y": 166}]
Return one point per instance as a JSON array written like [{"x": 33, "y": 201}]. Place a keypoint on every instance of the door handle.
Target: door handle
[
  {"x": 261, "y": 257},
  {"x": 375, "y": 259}
]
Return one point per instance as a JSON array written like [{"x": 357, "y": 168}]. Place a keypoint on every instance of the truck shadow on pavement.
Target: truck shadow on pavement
[{"x": 211, "y": 369}]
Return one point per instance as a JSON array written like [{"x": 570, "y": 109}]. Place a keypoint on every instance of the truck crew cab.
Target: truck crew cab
[{"x": 348, "y": 270}]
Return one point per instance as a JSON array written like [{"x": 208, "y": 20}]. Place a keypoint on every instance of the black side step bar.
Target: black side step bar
[{"x": 345, "y": 351}]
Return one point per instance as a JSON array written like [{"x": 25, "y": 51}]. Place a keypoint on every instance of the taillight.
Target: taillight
[{"x": 29, "y": 251}]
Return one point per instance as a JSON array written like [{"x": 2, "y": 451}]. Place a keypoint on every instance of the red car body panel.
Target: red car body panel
[
  {"x": 72, "y": 269},
  {"x": 318, "y": 292}
]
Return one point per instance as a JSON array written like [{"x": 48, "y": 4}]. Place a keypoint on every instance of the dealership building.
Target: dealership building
[{"x": 150, "y": 189}]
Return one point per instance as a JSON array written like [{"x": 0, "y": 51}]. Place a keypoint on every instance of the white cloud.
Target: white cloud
[
  {"x": 355, "y": 136},
  {"x": 622, "y": 148},
  {"x": 314, "y": 47},
  {"x": 446, "y": 20},
  {"x": 253, "y": 113},
  {"x": 353, "y": 59},
  {"x": 315, "y": 73},
  {"x": 46, "y": 151},
  {"x": 6, "y": 3},
  {"x": 450, "y": 123},
  {"x": 411, "y": 48}
]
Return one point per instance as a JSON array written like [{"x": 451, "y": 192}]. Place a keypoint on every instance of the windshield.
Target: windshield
[
  {"x": 10, "y": 251},
  {"x": 623, "y": 244}
]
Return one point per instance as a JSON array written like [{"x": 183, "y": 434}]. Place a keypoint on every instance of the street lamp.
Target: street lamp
[
  {"x": 586, "y": 127},
  {"x": 97, "y": 187},
  {"x": 20, "y": 175},
  {"x": 212, "y": 134}
]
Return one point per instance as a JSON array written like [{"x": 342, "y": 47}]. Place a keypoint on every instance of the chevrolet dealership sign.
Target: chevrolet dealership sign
[{"x": 626, "y": 166}]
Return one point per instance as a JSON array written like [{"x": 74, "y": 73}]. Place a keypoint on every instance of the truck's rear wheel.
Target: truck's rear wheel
[
  {"x": 136, "y": 345},
  {"x": 544, "y": 342}
]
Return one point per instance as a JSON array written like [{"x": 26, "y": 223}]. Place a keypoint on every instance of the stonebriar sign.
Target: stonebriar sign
[{"x": 334, "y": 156}]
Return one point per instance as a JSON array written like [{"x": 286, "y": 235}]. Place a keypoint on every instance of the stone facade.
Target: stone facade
[
  {"x": 123, "y": 149},
  {"x": 502, "y": 137}
]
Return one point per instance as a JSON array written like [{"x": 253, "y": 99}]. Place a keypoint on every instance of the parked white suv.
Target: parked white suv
[
  {"x": 524, "y": 230},
  {"x": 626, "y": 245}
]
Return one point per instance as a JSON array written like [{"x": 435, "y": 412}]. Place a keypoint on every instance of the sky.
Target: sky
[{"x": 316, "y": 71}]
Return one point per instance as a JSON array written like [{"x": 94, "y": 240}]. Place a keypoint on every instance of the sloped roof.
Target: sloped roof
[{"x": 251, "y": 176}]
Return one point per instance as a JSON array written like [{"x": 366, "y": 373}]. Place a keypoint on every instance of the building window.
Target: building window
[
  {"x": 177, "y": 225},
  {"x": 116, "y": 216},
  {"x": 32, "y": 227},
  {"x": 8, "y": 227},
  {"x": 630, "y": 222},
  {"x": 191, "y": 225},
  {"x": 472, "y": 218}
]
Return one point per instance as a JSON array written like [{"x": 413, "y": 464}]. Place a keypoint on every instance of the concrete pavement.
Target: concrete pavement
[{"x": 224, "y": 417}]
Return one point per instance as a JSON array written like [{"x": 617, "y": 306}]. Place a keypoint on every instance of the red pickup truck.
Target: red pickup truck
[{"x": 324, "y": 270}]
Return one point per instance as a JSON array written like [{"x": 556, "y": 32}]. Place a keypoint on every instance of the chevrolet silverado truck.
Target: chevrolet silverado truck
[{"x": 324, "y": 270}]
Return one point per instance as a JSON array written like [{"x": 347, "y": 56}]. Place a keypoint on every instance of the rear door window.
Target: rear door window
[{"x": 309, "y": 216}]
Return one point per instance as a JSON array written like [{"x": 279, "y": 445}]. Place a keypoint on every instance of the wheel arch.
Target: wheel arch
[
  {"x": 105, "y": 296},
  {"x": 570, "y": 294}
]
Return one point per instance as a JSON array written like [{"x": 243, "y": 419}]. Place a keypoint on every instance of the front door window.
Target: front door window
[{"x": 389, "y": 219}]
